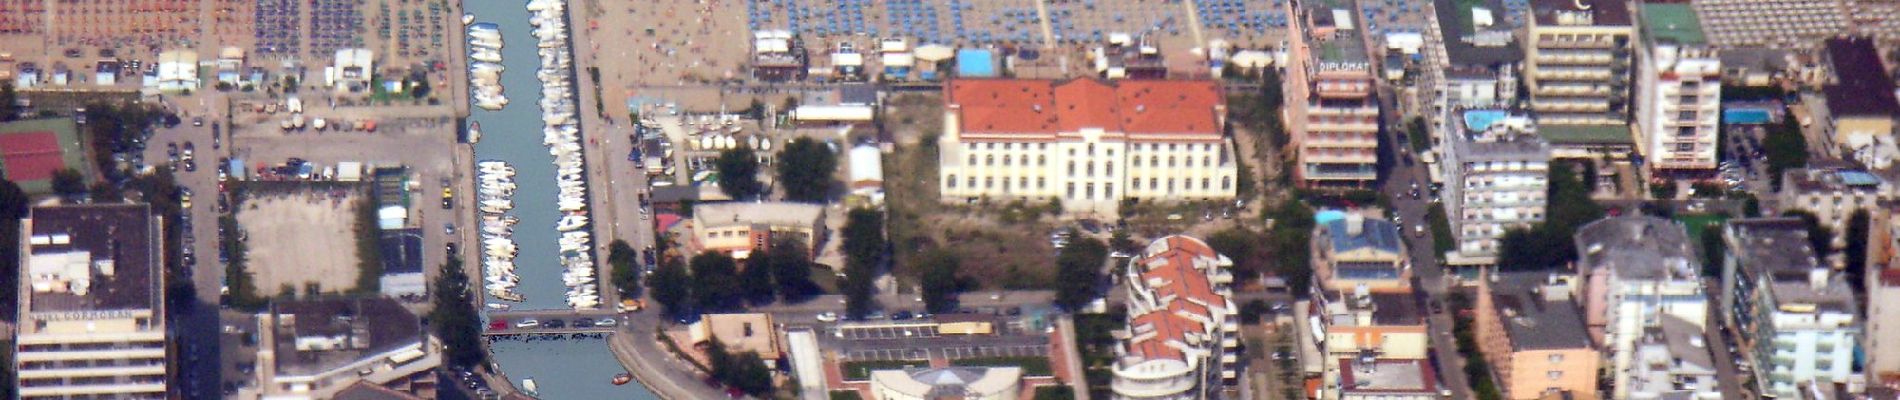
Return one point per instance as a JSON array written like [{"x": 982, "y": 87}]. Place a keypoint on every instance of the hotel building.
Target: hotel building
[
  {"x": 1679, "y": 96},
  {"x": 92, "y": 309},
  {"x": 1332, "y": 111},
  {"x": 1182, "y": 337}
]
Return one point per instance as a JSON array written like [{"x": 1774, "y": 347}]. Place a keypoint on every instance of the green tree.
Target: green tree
[
  {"x": 1120, "y": 241},
  {"x": 369, "y": 248},
  {"x": 1664, "y": 190},
  {"x": 939, "y": 280},
  {"x": 1856, "y": 251},
  {"x": 791, "y": 269},
  {"x": 1786, "y": 148},
  {"x": 1078, "y": 270},
  {"x": 864, "y": 246},
  {"x": 9, "y": 102},
  {"x": 804, "y": 170},
  {"x": 739, "y": 173},
  {"x": 756, "y": 280},
  {"x": 672, "y": 286},
  {"x": 1243, "y": 246},
  {"x": 1713, "y": 249},
  {"x": 68, "y": 183},
  {"x": 715, "y": 282},
  {"x": 454, "y": 317},
  {"x": 13, "y": 207},
  {"x": 744, "y": 371},
  {"x": 626, "y": 273}
]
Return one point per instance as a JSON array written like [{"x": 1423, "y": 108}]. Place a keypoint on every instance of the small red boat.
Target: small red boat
[{"x": 622, "y": 379}]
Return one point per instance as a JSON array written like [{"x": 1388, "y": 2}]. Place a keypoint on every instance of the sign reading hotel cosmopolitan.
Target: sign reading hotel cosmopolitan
[{"x": 1085, "y": 142}]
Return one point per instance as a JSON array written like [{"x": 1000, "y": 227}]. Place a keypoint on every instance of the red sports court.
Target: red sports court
[{"x": 30, "y": 156}]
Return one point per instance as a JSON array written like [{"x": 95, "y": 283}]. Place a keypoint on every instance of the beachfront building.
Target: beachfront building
[
  {"x": 1672, "y": 361},
  {"x": 1577, "y": 65},
  {"x": 1086, "y": 143},
  {"x": 1531, "y": 332},
  {"x": 1636, "y": 271},
  {"x": 1181, "y": 341},
  {"x": 1861, "y": 103},
  {"x": 967, "y": 383},
  {"x": 313, "y": 349},
  {"x": 1332, "y": 112},
  {"x": 1795, "y": 318},
  {"x": 91, "y": 308},
  {"x": 1881, "y": 343},
  {"x": 1356, "y": 251},
  {"x": 177, "y": 71},
  {"x": 1770, "y": 23},
  {"x": 352, "y": 71},
  {"x": 1496, "y": 175},
  {"x": 778, "y": 56},
  {"x": 1679, "y": 92},
  {"x": 1475, "y": 52},
  {"x": 1833, "y": 191},
  {"x": 739, "y": 228},
  {"x": 1359, "y": 328}
]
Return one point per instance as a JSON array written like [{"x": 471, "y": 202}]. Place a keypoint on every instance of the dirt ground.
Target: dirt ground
[{"x": 301, "y": 238}]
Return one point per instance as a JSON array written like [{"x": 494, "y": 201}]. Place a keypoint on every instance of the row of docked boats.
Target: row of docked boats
[
  {"x": 561, "y": 135},
  {"x": 495, "y": 185},
  {"x": 484, "y": 67}
]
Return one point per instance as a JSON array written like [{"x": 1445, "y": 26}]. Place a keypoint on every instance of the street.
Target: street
[{"x": 1431, "y": 277}]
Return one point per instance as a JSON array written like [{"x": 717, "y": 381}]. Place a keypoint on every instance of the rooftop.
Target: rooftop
[
  {"x": 1598, "y": 12},
  {"x": 1372, "y": 233},
  {"x": 1388, "y": 309},
  {"x": 93, "y": 257},
  {"x": 739, "y": 332},
  {"x": 1863, "y": 87},
  {"x": 402, "y": 251},
  {"x": 1638, "y": 247},
  {"x": 1174, "y": 271},
  {"x": 1672, "y": 23},
  {"x": 950, "y": 382},
  {"x": 1561, "y": 135},
  {"x": 1536, "y": 318},
  {"x": 1465, "y": 44},
  {"x": 1822, "y": 179},
  {"x": 1047, "y": 106},
  {"x": 316, "y": 336},
  {"x": 1777, "y": 250},
  {"x": 746, "y": 212},
  {"x": 1683, "y": 339},
  {"x": 1387, "y": 376}
]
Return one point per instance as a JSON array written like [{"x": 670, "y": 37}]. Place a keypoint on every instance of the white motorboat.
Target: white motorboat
[
  {"x": 484, "y": 55},
  {"x": 571, "y": 222},
  {"x": 468, "y": 18}
]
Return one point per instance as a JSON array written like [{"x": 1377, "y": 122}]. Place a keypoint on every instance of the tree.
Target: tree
[
  {"x": 1856, "y": 251},
  {"x": 672, "y": 287},
  {"x": 1786, "y": 149},
  {"x": 454, "y": 317},
  {"x": 804, "y": 170},
  {"x": 106, "y": 193},
  {"x": 739, "y": 173},
  {"x": 626, "y": 273},
  {"x": 1662, "y": 190},
  {"x": 744, "y": 371},
  {"x": 68, "y": 183},
  {"x": 939, "y": 280},
  {"x": 1243, "y": 246},
  {"x": 1078, "y": 271},
  {"x": 864, "y": 246},
  {"x": 9, "y": 102},
  {"x": 1120, "y": 241},
  {"x": 756, "y": 280},
  {"x": 13, "y": 206},
  {"x": 791, "y": 269},
  {"x": 1713, "y": 249},
  {"x": 715, "y": 281}
]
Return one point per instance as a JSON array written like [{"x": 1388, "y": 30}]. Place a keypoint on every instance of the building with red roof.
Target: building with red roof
[
  {"x": 1181, "y": 337},
  {"x": 1087, "y": 142}
]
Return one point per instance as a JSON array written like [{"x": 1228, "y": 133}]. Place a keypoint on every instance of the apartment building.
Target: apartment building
[
  {"x": 1497, "y": 173},
  {"x": 1577, "y": 66},
  {"x": 1360, "y": 326},
  {"x": 1770, "y": 23},
  {"x": 1795, "y": 318},
  {"x": 314, "y": 349},
  {"x": 1085, "y": 142},
  {"x": 91, "y": 308},
  {"x": 1672, "y": 362},
  {"x": 1833, "y": 191},
  {"x": 1860, "y": 100},
  {"x": 1181, "y": 341},
  {"x": 1475, "y": 52},
  {"x": 1531, "y": 332},
  {"x": 1636, "y": 271},
  {"x": 1356, "y": 251},
  {"x": 740, "y": 228},
  {"x": 1382, "y": 379},
  {"x": 1679, "y": 92},
  {"x": 1332, "y": 109},
  {"x": 1881, "y": 343}
]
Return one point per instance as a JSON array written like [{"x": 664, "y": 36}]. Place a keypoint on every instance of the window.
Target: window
[
  {"x": 1091, "y": 149},
  {"x": 972, "y": 181},
  {"x": 1022, "y": 182},
  {"x": 1091, "y": 168},
  {"x": 1206, "y": 183},
  {"x": 1108, "y": 191},
  {"x": 1154, "y": 160},
  {"x": 1042, "y": 160},
  {"x": 989, "y": 146},
  {"x": 972, "y": 159},
  {"x": 1556, "y": 358},
  {"x": 1042, "y": 146},
  {"x": 1137, "y": 162},
  {"x": 1170, "y": 161},
  {"x": 1009, "y": 146},
  {"x": 1111, "y": 152},
  {"x": 951, "y": 181},
  {"x": 1109, "y": 168},
  {"x": 1071, "y": 190},
  {"x": 1555, "y": 375},
  {"x": 1207, "y": 161},
  {"x": 1089, "y": 190},
  {"x": 1226, "y": 182},
  {"x": 1006, "y": 158},
  {"x": 1154, "y": 183},
  {"x": 989, "y": 182},
  {"x": 1071, "y": 168},
  {"x": 1042, "y": 183}
]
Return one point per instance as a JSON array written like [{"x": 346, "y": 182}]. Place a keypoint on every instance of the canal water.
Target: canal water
[{"x": 567, "y": 368}]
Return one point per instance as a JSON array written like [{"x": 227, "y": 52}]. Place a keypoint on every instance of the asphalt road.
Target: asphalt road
[{"x": 1431, "y": 276}]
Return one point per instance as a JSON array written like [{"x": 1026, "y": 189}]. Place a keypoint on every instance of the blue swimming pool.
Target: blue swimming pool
[
  {"x": 1746, "y": 116},
  {"x": 1326, "y": 216},
  {"x": 1480, "y": 120}
]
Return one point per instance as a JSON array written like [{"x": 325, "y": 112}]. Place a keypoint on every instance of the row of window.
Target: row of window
[
  {"x": 1091, "y": 146},
  {"x": 1022, "y": 183}
]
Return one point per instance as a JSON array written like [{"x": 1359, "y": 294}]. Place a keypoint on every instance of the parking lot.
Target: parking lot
[{"x": 885, "y": 332}]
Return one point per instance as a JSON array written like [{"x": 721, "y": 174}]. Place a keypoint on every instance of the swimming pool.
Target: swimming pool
[
  {"x": 1326, "y": 216},
  {"x": 1481, "y": 120},
  {"x": 1746, "y": 116}
]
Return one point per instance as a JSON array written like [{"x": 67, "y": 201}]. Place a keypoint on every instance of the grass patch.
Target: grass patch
[
  {"x": 1031, "y": 365},
  {"x": 1056, "y": 392},
  {"x": 1441, "y": 229},
  {"x": 861, "y": 370},
  {"x": 1695, "y": 223},
  {"x": 846, "y": 395},
  {"x": 369, "y": 248}
]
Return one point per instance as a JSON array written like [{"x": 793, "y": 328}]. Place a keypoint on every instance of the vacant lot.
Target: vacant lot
[
  {"x": 301, "y": 237},
  {"x": 1000, "y": 245}
]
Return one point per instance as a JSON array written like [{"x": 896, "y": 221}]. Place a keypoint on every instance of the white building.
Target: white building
[
  {"x": 312, "y": 349},
  {"x": 1181, "y": 341},
  {"x": 1087, "y": 143},
  {"x": 92, "y": 310},
  {"x": 1833, "y": 191},
  {"x": 352, "y": 71},
  {"x": 1672, "y": 362},
  {"x": 1496, "y": 175},
  {"x": 178, "y": 71},
  {"x": 1795, "y": 316},
  {"x": 969, "y": 383},
  {"x": 1638, "y": 271},
  {"x": 1679, "y": 91}
]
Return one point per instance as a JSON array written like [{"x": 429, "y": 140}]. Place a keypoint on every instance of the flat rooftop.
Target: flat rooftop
[
  {"x": 1638, "y": 247},
  {"x": 1586, "y": 135},
  {"x": 1778, "y": 250},
  {"x": 1863, "y": 87},
  {"x": 363, "y": 327},
  {"x": 1672, "y": 23},
  {"x": 126, "y": 234},
  {"x": 1464, "y": 44},
  {"x": 1601, "y": 12},
  {"x": 1387, "y": 376},
  {"x": 745, "y": 212},
  {"x": 1388, "y": 309},
  {"x": 1535, "y": 319}
]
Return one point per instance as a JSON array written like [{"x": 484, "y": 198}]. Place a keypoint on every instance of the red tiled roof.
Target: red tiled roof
[
  {"x": 1187, "y": 291},
  {"x": 1046, "y": 106}
]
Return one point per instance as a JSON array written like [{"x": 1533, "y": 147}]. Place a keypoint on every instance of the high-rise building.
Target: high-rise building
[
  {"x": 1332, "y": 107},
  {"x": 1577, "y": 65},
  {"x": 1475, "y": 52},
  {"x": 1085, "y": 142},
  {"x": 1182, "y": 337},
  {"x": 1679, "y": 92},
  {"x": 92, "y": 309},
  {"x": 1637, "y": 270},
  {"x": 1861, "y": 104},
  {"x": 318, "y": 348},
  {"x": 1530, "y": 330},
  {"x": 1497, "y": 172},
  {"x": 1795, "y": 318}
]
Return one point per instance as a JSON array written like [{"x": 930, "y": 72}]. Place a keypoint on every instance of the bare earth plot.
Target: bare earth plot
[{"x": 301, "y": 238}]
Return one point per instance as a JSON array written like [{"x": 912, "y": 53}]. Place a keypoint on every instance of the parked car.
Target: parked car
[
  {"x": 828, "y": 316},
  {"x": 555, "y": 323},
  {"x": 528, "y": 323},
  {"x": 606, "y": 322},
  {"x": 498, "y": 325},
  {"x": 901, "y": 315},
  {"x": 584, "y": 323}
]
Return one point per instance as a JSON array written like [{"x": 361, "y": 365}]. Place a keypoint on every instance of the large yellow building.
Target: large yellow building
[
  {"x": 1087, "y": 143},
  {"x": 92, "y": 311}
]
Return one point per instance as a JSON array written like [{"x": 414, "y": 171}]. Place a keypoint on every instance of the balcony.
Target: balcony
[{"x": 1562, "y": 56}]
